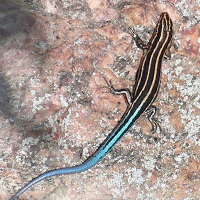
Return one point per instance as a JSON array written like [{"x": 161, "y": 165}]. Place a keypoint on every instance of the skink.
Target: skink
[{"x": 140, "y": 100}]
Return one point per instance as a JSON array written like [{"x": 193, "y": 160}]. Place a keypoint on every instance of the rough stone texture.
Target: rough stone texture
[{"x": 55, "y": 111}]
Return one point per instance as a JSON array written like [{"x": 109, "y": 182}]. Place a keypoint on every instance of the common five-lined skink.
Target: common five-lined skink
[{"x": 144, "y": 92}]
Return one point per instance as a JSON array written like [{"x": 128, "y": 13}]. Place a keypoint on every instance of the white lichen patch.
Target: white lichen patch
[
  {"x": 25, "y": 146},
  {"x": 149, "y": 163},
  {"x": 64, "y": 101},
  {"x": 117, "y": 183},
  {"x": 135, "y": 177},
  {"x": 182, "y": 158}
]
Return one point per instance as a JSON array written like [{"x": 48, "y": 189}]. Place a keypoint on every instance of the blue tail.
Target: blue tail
[
  {"x": 122, "y": 128},
  {"x": 71, "y": 170}
]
